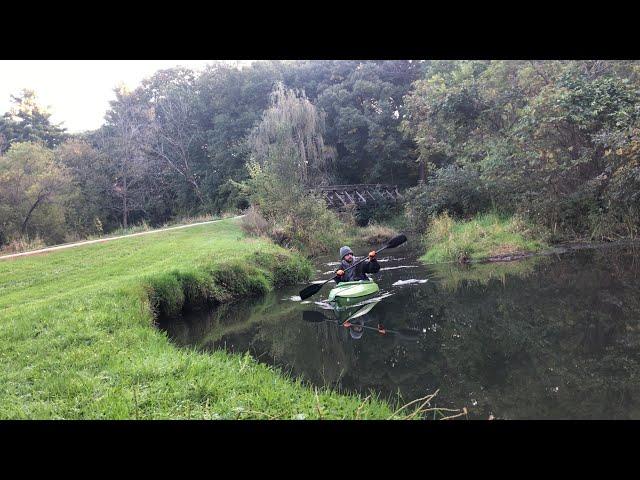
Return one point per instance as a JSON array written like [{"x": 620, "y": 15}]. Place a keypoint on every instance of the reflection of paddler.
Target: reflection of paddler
[
  {"x": 353, "y": 311},
  {"x": 353, "y": 320},
  {"x": 356, "y": 329},
  {"x": 357, "y": 326},
  {"x": 356, "y": 323}
]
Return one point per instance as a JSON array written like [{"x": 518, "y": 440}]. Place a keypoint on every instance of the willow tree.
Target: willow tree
[
  {"x": 288, "y": 141},
  {"x": 288, "y": 155}
]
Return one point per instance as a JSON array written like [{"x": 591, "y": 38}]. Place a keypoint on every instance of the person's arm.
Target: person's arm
[{"x": 371, "y": 265}]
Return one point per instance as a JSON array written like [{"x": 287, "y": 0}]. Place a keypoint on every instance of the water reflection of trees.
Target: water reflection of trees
[
  {"x": 561, "y": 341},
  {"x": 571, "y": 326}
]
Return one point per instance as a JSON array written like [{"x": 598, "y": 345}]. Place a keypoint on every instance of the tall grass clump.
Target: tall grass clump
[
  {"x": 253, "y": 223},
  {"x": 375, "y": 234},
  {"x": 486, "y": 235},
  {"x": 22, "y": 244}
]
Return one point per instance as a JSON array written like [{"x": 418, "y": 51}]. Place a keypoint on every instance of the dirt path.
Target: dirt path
[{"x": 108, "y": 239}]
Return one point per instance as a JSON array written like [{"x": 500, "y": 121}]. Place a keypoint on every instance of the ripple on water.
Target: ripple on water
[
  {"x": 400, "y": 266},
  {"x": 410, "y": 281},
  {"x": 380, "y": 260},
  {"x": 390, "y": 259},
  {"x": 324, "y": 305}
]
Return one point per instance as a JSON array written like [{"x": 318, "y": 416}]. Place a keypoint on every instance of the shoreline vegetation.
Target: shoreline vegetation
[
  {"x": 77, "y": 337},
  {"x": 484, "y": 237},
  {"x": 494, "y": 238}
]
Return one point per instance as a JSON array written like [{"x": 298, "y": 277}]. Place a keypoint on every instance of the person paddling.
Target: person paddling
[{"x": 370, "y": 265}]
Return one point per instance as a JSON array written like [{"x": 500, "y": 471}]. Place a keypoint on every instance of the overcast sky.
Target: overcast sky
[{"x": 77, "y": 92}]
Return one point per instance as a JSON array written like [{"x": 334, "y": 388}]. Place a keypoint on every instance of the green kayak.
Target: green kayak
[{"x": 345, "y": 292}]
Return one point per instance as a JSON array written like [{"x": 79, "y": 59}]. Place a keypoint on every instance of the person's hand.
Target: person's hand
[
  {"x": 340, "y": 273},
  {"x": 372, "y": 254}
]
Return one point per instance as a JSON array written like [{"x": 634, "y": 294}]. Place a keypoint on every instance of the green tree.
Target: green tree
[
  {"x": 535, "y": 132},
  {"x": 175, "y": 137},
  {"x": 87, "y": 212},
  {"x": 365, "y": 107},
  {"x": 230, "y": 102},
  {"x": 33, "y": 191},
  {"x": 288, "y": 156},
  {"x": 124, "y": 138},
  {"x": 27, "y": 121}
]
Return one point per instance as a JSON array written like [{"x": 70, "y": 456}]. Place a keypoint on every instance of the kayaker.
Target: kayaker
[{"x": 370, "y": 265}]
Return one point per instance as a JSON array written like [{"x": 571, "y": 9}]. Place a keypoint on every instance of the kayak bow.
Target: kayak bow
[{"x": 352, "y": 290}]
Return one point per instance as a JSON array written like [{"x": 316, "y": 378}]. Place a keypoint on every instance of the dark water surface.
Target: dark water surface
[{"x": 542, "y": 338}]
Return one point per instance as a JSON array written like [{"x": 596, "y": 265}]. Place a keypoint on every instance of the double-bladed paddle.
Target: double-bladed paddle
[{"x": 315, "y": 287}]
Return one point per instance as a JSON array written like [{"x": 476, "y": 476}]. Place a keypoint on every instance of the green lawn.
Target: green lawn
[{"x": 77, "y": 340}]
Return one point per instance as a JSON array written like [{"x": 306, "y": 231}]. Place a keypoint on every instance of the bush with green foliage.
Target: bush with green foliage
[
  {"x": 458, "y": 191},
  {"x": 376, "y": 212},
  {"x": 294, "y": 217},
  {"x": 231, "y": 195},
  {"x": 551, "y": 140}
]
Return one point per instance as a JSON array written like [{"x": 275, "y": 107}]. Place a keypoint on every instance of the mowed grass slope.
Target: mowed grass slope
[{"x": 77, "y": 340}]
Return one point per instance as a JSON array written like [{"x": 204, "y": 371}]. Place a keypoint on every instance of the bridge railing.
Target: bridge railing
[{"x": 344, "y": 195}]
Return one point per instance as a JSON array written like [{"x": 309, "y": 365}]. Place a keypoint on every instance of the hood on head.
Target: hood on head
[{"x": 344, "y": 251}]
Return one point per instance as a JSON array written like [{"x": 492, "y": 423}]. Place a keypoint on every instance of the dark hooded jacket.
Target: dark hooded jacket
[{"x": 359, "y": 272}]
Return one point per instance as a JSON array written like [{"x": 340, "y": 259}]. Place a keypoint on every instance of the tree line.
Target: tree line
[{"x": 557, "y": 141}]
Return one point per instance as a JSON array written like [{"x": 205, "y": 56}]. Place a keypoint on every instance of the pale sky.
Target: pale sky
[{"x": 77, "y": 92}]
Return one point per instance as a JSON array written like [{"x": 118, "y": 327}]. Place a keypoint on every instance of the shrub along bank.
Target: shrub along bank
[{"x": 76, "y": 335}]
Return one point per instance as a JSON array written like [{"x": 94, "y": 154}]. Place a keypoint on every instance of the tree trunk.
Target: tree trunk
[
  {"x": 197, "y": 191},
  {"x": 124, "y": 204},
  {"x": 23, "y": 230},
  {"x": 421, "y": 172}
]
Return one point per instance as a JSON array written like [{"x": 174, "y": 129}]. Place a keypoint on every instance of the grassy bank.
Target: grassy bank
[
  {"x": 77, "y": 341},
  {"x": 487, "y": 235}
]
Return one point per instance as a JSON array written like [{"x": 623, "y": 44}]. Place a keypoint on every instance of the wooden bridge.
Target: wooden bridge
[{"x": 339, "y": 196}]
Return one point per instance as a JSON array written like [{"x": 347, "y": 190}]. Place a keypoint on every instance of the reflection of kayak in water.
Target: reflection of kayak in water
[
  {"x": 346, "y": 312},
  {"x": 353, "y": 318},
  {"x": 353, "y": 299}
]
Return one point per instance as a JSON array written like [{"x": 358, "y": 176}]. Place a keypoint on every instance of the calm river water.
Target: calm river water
[{"x": 554, "y": 337}]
